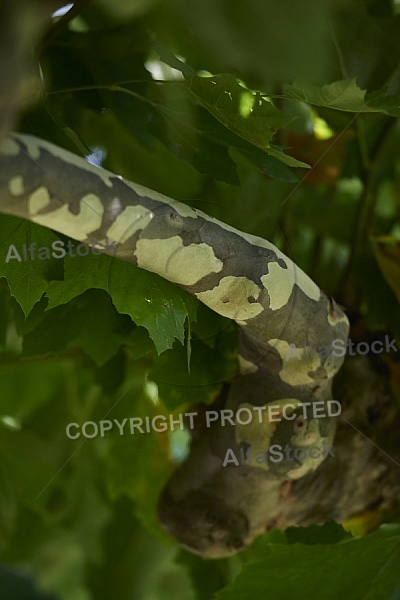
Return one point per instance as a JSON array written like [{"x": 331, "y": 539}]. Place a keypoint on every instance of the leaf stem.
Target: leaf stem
[{"x": 109, "y": 86}]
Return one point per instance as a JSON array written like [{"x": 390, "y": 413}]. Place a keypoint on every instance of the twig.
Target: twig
[{"x": 62, "y": 23}]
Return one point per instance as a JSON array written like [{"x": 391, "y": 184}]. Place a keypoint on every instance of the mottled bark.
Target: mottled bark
[{"x": 212, "y": 509}]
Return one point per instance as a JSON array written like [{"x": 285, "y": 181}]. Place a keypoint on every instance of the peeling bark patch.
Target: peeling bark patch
[
  {"x": 298, "y": 372},
  {"x": 128, "y": 222},
  {"x": 154, "y": 257},
  {"x": 75, "y": 226},
  {"x": 188, "y": 264},
  {"x": 33, "y": 149},
  {"x": 178, "y": 263},
  {"x": 16, "y": 186},
  {"x": 295, "y": 371},
  {"x": 280, "y": 281},
  {"x": 279, "y": 285},
  {"x": 236, "y": 290},
  {"x": 259, "y": 434},
  {"x": 38, "y": 200},
  {"x": 332, "y": 365}
]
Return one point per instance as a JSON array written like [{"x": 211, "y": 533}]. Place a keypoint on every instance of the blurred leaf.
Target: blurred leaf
[
  {"x": 387, "y": 253},
  {"x": 27, "y": 464},
  {"x": 325, "y": 157},
  {"x": 18, "y": 585},
  {"x": 256, "y": 40},
  {"x": 25, "y": 387},
  {"x": 382, "y": 310},
  {"x": 127, "y": 9},
  {"x": 155, "y": 167},
  {"x": 206, "y": 575},
  {"x": 21, "y": 24},
  {"x": 360, "y": 568},
  {"x": 381, "y": 8},
  {"x": 141, "y": 480},
  {"x": 367, "y": 43},
  {"x": 209, "y": 369},
  {"x": 194, "y": 137},
  {"x": 59, "y": 567}
]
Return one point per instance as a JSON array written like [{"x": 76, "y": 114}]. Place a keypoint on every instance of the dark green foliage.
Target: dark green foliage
[{"x": 278, "y": 118}]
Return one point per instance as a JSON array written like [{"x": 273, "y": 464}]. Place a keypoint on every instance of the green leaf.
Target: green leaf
[
  {"x": 246, "y": 113},
  {"x": 250, "y": 116},
  {"x": 80, "y": 274},
  {"x": 358, "y": 569},
  {"x": 89, "y": 319},
  {"x": 192, "y": 134},
  {"x": 152, "y": 302},
  {"x": 341, "y": 95},
  {"x": 378, "y": 101},
  {"x": 329, "y": 533},
  {"x": 277, "y": 152},
  {"x": 344, "y": 95},
  {"x": 148, "y": 299},
  {"x": 101, "y": 332},
  {"x": 28, "y": 279},
  {"x": 266, "y": 164},
  {"x": 208, "y": 325},
  {"x": 209, "y": 369}
]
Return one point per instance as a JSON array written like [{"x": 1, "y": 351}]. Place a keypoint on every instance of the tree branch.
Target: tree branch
[{"x": 276, "y": 306}]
